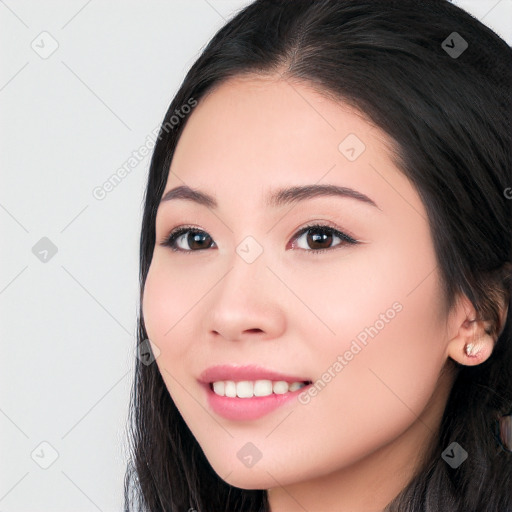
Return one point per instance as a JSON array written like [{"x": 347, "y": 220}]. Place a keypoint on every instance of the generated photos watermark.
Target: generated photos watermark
[{"x": 355, "y": 348}]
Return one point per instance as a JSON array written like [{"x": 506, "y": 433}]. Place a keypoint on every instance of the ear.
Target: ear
[{"x": 471, "y": 343}]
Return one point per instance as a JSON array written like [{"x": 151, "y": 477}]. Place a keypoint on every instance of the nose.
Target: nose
[{"x": 246, "y": 302}]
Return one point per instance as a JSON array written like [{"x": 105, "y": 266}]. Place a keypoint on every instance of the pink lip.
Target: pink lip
[{"x": 239, "y": 409}]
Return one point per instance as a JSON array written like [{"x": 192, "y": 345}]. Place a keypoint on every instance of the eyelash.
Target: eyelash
[{"x": 170, "y": 240}]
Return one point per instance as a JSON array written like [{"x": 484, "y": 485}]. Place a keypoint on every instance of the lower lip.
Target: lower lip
[{"x": 244, "y": 409}]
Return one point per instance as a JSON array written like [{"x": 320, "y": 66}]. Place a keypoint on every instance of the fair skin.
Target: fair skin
[{"x": 356, "y": 444}]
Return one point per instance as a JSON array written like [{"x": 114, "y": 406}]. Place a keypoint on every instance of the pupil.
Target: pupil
[
  {"x": 315, "y": 239},
  {"x": 196, "y": 237}
]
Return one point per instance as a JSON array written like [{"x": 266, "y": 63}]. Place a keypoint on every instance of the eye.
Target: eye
[
  {"x": 319, "y": 237},
  {"x": 189, "y": 235}
]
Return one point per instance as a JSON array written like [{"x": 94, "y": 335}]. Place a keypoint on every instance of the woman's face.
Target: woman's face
[{"x": 365, "y": 322}]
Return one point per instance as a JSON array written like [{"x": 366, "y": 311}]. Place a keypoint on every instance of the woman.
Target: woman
[{"x": 326, "y": 268}]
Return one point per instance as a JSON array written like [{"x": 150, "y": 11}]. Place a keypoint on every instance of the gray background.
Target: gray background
[{"x": 76, "y": 103}]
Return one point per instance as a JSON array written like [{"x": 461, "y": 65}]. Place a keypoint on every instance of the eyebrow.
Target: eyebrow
[{"x": 276, "y": 198}]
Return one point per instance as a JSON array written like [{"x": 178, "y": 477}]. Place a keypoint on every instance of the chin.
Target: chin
[
  {"x": 248, "y": 481},
  {"x": 247, "y": 478}
]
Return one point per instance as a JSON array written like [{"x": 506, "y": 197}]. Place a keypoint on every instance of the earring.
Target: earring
[{"x": 471, "y": 349}]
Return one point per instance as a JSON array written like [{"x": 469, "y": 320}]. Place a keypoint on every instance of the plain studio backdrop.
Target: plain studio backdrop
[{"x": 84, "y": 86}]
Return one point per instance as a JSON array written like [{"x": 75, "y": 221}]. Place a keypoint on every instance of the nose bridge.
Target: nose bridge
[
  {"x": 248, "y": 270},
  {"x": 245, "y": 299}
]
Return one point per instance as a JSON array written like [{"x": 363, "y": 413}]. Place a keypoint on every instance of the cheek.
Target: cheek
[
  {"x": 377, "y": 389},
  {"x": 168, "y": 296},
  {"x": 366, "y": 290},
  {"x": 155, "y": 304},
  {"x": 170, "y": 305},
  {"x": 382, "y": 365},
  {"x": 410, "y": 345}
]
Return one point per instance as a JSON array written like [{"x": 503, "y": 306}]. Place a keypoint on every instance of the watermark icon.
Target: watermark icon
[
  {"x": 249, "y": 454},
  {"x": 355, "y": 348},
  {"x": 147, "y": 352},
  {"x": 45, "y": 45},
  {"x": 351, "y": 147},
  {"x": 101, "y": 191},
  {"x": 508, "y": 192},
  {"x": 249, "y": 249},
  {"x": 454, "y": 455},
  {"x": 44, "y": 250},
  {"x": 44, "y": 455},
  {"x": 454, "y": 45}
]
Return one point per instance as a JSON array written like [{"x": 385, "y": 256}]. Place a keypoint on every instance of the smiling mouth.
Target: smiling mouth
[{"x": 255, "y": 388}]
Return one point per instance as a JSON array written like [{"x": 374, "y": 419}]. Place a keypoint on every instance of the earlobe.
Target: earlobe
[{"x": 473, "y": 344}]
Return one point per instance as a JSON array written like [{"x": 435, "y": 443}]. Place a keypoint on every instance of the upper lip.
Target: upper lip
[{"x": 245, "y": 372}]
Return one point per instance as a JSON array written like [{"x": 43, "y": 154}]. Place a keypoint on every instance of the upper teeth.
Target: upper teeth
[{"x": 248, "y": 389}]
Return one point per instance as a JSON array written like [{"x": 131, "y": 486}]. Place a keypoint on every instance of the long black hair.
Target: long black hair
[{"x": 438, "y": 82}]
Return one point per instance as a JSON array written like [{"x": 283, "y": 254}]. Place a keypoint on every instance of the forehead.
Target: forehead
[
  {"x": 252, "y": 134},
  {"x": 264, "y": 119}
]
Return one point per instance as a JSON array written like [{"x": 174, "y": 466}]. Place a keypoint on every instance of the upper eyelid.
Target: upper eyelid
[
  {"x": 342, "y": 233},
  {"x": 325, "y": 224}
]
